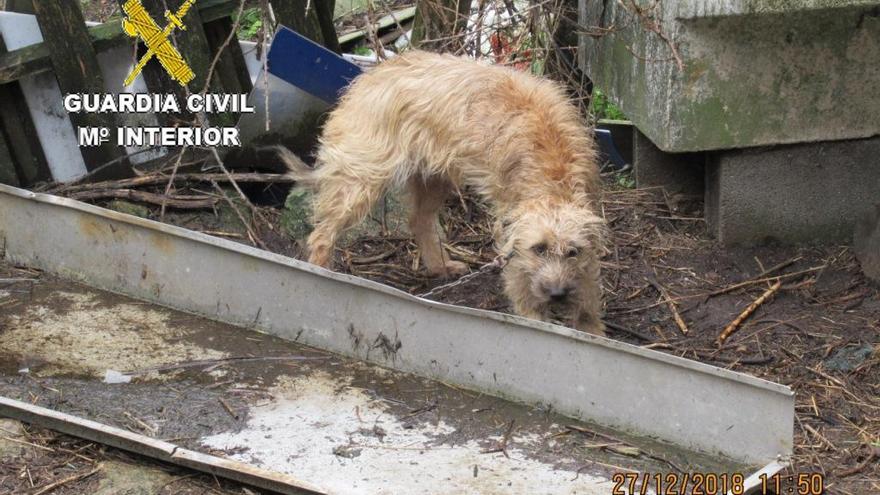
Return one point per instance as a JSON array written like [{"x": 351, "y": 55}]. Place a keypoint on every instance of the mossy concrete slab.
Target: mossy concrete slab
[{"x": 752, "y": 73}]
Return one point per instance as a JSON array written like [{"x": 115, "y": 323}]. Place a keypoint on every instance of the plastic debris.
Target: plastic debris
[{"x": 113, "y": 376}]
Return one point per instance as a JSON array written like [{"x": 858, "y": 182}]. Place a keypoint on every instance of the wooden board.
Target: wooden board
[
  {"x": 28, "y": 160},
  {"x": 77, "y": 71},
  {"x": 35, "y": 59}
]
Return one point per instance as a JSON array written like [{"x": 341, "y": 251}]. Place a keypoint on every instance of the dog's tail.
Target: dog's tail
[{"x": 297, "y": 169}]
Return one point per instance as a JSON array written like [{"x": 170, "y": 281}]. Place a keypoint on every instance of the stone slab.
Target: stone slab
[
  {"x": 807, "y": 193},
  {"x": 753, "y": 73}
]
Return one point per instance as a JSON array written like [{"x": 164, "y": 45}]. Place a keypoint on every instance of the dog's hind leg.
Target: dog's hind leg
[
  {"x": 340, "y": 202},
  {"x": 428, "y": 196}
]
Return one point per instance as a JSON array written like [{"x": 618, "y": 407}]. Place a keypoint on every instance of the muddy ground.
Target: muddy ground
[
  {"x": 233, "y": 392},
  {"x": 819, "y": 333}
]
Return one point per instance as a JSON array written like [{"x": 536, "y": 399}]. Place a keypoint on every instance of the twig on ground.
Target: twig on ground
[
  {"x": 212, "y": 362},
  {"x": 502, "y": 445},
  {"x": 679, "y": 321},
  {"x": 759, "y": 279},
  {"x": 228, "y": 408},
  {"x": 367, "y": 260},
  {"x": 247, "y": 225},
  {"x": 873, "y": 453},
  {"x": 732, "y": 327},
  {"x": 628, "y": 331},
  {"x": 70, "y": 479},
  {"x": 170, "y": 183},
  {"x": 41, "y": 447},
  {"x": 143, "y": 424}
]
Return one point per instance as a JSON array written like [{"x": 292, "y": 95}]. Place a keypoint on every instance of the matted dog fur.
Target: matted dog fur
[{"x": 437, "y": 123}]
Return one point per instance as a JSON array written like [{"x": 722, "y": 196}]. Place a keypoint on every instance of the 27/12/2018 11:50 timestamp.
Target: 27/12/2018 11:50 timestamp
[{"x": 715, "y": 484}]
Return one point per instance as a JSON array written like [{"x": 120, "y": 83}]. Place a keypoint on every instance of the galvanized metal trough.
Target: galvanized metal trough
[{"x": 736, "y": 418}]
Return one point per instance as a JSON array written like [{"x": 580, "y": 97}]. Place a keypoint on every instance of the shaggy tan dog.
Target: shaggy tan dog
[{"x": 437, "y": 123}]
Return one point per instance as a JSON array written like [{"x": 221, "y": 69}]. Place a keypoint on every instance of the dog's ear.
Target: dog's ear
[
  {"x": 501, "y": 234},
  {"x": 595, "y": 231},
  {"x": 505, "y": 242},
  {"x": 507, "y": 246}
]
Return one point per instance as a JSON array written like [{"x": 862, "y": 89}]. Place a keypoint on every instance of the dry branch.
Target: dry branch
[
  {"x": 679, "y": 321},
  {"x": 151, "y": 180},
  {"x": 70, "y": 479},
  {"x": 728, "y": 331},
  {"x": 182, "y": 202}
]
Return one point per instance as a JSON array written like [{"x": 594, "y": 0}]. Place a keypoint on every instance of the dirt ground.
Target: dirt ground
[
  {"x": 819, "y": 333},
  {"x": 34, "y": 460},
  {"x": 211, "y": 387}
]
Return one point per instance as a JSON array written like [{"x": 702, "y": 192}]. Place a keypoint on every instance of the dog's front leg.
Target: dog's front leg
[
  {"x": 428, "y": 196},
  {"x": 522, "y": 306},
  {"x": 589, "y": 322}
]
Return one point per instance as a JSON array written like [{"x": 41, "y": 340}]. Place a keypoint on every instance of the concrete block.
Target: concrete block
[
  {"x": 867, "y": 242},
  {"x": 752, "y": 73},
  {"x": 677, "y": 173},
  {"x": 806, "y": 193}
]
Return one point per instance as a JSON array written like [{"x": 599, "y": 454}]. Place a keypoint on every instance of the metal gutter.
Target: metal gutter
[{"x": 686, "y": 403}]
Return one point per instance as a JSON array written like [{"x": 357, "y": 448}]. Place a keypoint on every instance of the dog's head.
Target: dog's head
[{"x": 553, "y": 252}]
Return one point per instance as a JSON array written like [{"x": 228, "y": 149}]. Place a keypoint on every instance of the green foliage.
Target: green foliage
[
  {"x": 129, "y": 208},
  {"x": 604, "y": 109},
  {"x": 363, "y": 50},
  {"x": 625, "y": 180},
  {"x": 250, "y": 24},
  {"x": 296, "y": 217}
]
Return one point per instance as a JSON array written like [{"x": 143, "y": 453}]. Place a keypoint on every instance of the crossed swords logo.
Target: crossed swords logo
[{"x": 139, "y": 24}]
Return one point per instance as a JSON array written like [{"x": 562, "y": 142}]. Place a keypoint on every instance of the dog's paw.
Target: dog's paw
[
  {"x": 451, "y": 269},
  {"x": 591, "y": 326}
]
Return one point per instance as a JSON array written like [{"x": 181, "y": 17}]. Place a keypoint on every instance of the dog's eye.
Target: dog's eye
[
  {"x": 540, "y": 249},
  {"x": 572, "y": 252}
]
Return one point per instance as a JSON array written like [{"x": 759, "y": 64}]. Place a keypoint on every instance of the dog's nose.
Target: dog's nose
[{"x": 559, "y": 294}]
